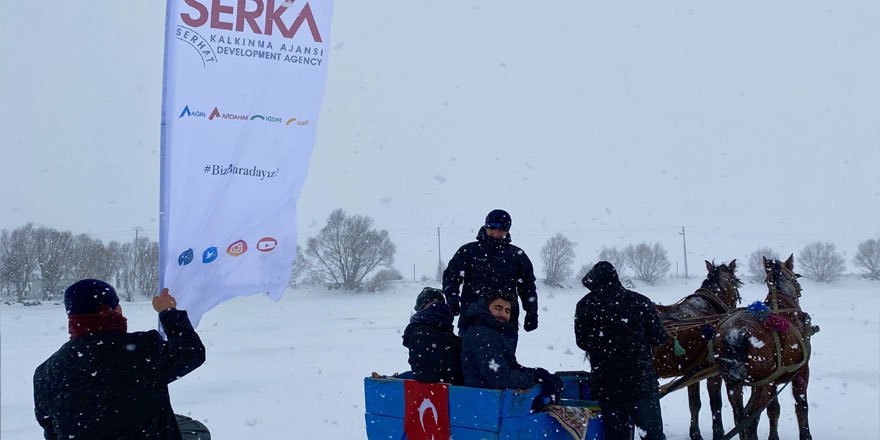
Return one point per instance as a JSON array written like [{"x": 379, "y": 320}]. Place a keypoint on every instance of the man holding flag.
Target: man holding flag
[{"x": 243, "y": 84}]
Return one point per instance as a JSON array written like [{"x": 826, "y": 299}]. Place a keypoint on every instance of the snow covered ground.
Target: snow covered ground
[{"x": 294, "y": 369}]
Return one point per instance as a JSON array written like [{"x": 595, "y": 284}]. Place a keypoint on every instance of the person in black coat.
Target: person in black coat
[
  {"x": 487, "y": 353},
  {"x": 618, "y": 329},
  {"x": 493, "y": 265},
  {"x": 434, "y": 350},
  {"x": 108, "y": 384}
]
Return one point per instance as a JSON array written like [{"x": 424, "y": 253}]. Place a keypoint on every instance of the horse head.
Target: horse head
[
  {"x": 722, "y": 281},
  {"x": 782, "y": 281}
]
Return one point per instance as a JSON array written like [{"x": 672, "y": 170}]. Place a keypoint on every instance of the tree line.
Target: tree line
[
  {"x": 37, "y": 263},
  {"x": 819, "y": 261}
]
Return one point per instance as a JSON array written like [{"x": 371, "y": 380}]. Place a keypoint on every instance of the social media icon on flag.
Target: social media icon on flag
[
  {"x": 209, "y": 255},
  {"x": 185, "y": 257},
  {"x": 266, "y": 244},
  {"x": 237, "y": 248}
]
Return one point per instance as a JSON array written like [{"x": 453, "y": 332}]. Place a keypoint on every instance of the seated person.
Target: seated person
[
  {"x": 434, "y": 350},
  {"x": 487, "y": 352}
]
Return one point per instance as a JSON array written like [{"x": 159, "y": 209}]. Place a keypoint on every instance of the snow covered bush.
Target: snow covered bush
[
  {"x": 617, "y": 258},
  {"x": 348, "y": 249},
  {"x": 868, "y": 259},
  {"x": 649, "y": 263},
  {"x": 821, "y": 262},
  {"x": 383, "y": 279},
  {"x": 756, "y": 262},
  {"x": 557, "y": 255}
]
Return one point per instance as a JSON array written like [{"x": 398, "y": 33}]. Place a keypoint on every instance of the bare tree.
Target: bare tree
[
  {"x": 821, "y": 262},
  {"x": 89, "y": 258},
  {"x": 582, "y": 272},
  {"x": 868, "y": 259},
  {"x": 756, "y": 262},
  {"x": 19, "y": 259},
  {"x": 649, "y": 262},
  {"x": 617, "y": 258},
  {"x": 147, "y": 272},
  {"x": 118, "y": 259},
  {"x": 348, "y": 249},
  {"x": 54, "y": 258},
  {"x": 557, "y": 255},
  {"x": 127, "y": 260},
  {"x": 299, "y": 268}
]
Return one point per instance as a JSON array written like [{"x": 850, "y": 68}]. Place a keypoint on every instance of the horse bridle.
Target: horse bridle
[
  {"x": 733, "y": 280},
  {"x": 778, "y": 270}
]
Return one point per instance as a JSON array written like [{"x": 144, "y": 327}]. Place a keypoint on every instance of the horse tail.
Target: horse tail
[{"x": 733, "y": 354}]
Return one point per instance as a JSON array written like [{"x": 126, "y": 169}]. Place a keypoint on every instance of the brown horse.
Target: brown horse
[
  {"x": 765, "y": 347},
  {"x": 686, "y": 322}
]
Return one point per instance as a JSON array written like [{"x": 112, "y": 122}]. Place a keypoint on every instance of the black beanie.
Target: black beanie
[
  {"x": 601, "y": 275},
  {"x": 427, "y": 295},
  {"x": 87, "y": 296},
  {"x": 498, "y": 219}
]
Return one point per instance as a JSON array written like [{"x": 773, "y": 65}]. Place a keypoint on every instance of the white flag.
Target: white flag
[{"x": 243, "y": 87}]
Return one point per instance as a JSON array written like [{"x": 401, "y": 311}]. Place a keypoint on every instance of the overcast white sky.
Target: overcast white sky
[{"x": 613, "y": 122}]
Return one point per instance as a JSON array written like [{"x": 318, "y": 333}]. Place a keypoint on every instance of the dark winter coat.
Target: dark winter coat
[
  {"x": 434, "y": 350},
  {"x": 618, "y": 329},
  {"x": 488, "y": 356},
  {"x": 491, "y": 265},
  {"x": 114, "y": 385}
]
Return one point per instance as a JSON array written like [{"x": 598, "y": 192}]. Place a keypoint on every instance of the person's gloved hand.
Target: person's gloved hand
[
  {"x": 531, "y": 321},
  {"x": 551, "y": 389},
  {"x": 454, "y": 302},
  {"x": 541, "y": 374}
]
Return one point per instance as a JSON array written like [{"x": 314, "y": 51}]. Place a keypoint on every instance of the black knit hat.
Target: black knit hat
[
  {"x": 87, "y": 296},
  {"x": 498, "y": 219},
  {"x": 428, "y": 295},
  {"x": 601, "y": 275}
]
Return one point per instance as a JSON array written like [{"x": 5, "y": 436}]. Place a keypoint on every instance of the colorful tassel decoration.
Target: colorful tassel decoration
[
  {"x": 677, "y": 348},
  {"x": 708, "y": 331},
  {"x": 757, "y": 307},
  {"x": 777, "y": 323}
]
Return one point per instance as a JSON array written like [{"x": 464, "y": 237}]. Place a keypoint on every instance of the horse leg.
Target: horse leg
[
  {"x": 694, "y": 404},
  {"x": 799, "y": 389},
  {"x": 735, "y": 397},
  {"x": 757, "y": 402},
  {"x": 773, "y": 415},
  {"x": 713, "y": 385}
]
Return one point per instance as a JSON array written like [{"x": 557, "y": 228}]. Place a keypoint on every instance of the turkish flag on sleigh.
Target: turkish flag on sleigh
[{"x": 426, "y": 412}]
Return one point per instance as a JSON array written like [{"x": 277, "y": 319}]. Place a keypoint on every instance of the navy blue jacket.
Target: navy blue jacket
[
  {"x": 114, "y": 385},
  {"x": 434, "y": 350},
  {"x": 618, "y": 329},
  {"x": 488, "y": 356},
  {"x": 491, "y": 265}
]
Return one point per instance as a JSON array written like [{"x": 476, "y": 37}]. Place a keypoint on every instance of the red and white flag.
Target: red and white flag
[{"x": 426, "y": 413}]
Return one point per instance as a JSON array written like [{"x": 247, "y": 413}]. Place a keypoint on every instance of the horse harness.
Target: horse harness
[{"x": 774, "y": 298}]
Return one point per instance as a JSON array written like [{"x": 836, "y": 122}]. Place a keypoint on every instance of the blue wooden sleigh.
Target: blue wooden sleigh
[{"x": 477, "y": 413}]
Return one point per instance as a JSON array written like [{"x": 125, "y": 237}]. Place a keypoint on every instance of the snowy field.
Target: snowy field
[{"x": 294, "y": 369}]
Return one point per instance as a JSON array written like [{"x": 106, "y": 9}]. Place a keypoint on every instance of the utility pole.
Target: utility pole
[
  {"x": 684, "y": 244},
  {"x": 439, "y": 258}
]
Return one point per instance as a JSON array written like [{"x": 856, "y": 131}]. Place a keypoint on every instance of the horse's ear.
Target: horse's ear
[
  {"x": 789, "y": 263},
  {"x": 709, "y": 266},
  {"x": 732, "y": 265},
  {"x": 766, "y": 264}
]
